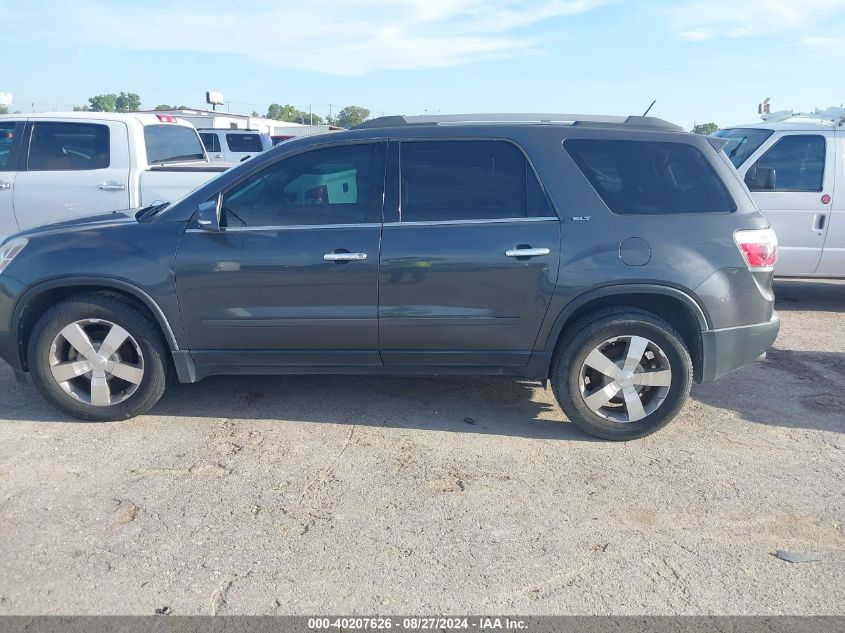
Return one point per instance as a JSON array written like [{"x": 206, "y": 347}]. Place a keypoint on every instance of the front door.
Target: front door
[
  {"x": 72, "y": 170},
  {"x": 790, "y": 182},
  {"x": 470, "y": 260},
  {"x": 10, "y": 134},
  {"x": 293, "y": 277}
]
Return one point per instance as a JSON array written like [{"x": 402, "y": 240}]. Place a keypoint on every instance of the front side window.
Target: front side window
[
  {"x": 468, "y": 180},
  {"x": 796, "y": 163},
  {"x": 645, "y": 177},
  {"x": 331, "y": 185},
  {"x": 172, "y": 144},
  {"x": 742, "y": 142},
  {"x": 56, "y": 146},
  {"x": 244, "y": 142},
  {"x": 211, "y": 141},
  {"x": 8, "y": 139}
]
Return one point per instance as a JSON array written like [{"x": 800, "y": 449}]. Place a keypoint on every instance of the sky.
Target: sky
[{"x": 702, "y": 60}]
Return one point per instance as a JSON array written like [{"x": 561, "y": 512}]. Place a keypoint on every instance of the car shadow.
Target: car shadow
[
  {"x": 504, "y": 406},
  {"x": 805, "y": 295},
  {"x": 791, "y": 389}
]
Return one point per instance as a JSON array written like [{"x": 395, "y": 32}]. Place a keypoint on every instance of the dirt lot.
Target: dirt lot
[{"x": 365, "y": 495}]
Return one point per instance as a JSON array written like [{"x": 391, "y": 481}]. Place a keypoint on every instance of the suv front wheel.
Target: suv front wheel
[
  {"x": 98, "y": 357},
  {"x": 621, "y": 374}
]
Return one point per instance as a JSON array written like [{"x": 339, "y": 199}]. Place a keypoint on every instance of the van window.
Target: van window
[
  {"x": 798, "y": 162},
  {"x": 57, "y": 146},
  {"x": 742, "y": 142},
  {"x": 649, "y": 177},
  {"x": 172, "y": 144},
  {"x": 331, "y": 185},
  {"x": 244, "y": 142},
  {"x": 8, "y": 138},
  {"x": 211, "y": 141},
  {"x": 468, "y": 180}
]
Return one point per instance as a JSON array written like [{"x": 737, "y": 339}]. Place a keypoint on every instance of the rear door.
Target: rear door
[
  {"x": 10, "y": 136},
  {"x": 470, "y": 259},
  {"x": 792, "y": 195},
  {"x": 242, "y": 145},
  {"x": 211, "y": 140},
  {"x": 832, "y": 263},
  {"x": 71, "y": 169}
]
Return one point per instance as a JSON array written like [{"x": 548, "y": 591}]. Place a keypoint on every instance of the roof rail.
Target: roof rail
[
  {"x": 591, "y": 120},
  {"x": 829, "y": 115}
]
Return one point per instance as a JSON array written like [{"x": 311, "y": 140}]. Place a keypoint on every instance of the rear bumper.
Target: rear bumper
[{"x": 731, "y": 348}]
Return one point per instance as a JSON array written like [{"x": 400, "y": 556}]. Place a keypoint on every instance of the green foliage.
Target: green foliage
[
  {"x": 351, "y": 116},
  {"x": 4, "y": 109},
  {"x": 705, "y": 128},
  {"x": 164, "y": 106},
  {"x": 82, "y": 108},
  {"x": 123, "y": 102},
  {"x": 292, "y": 115}
]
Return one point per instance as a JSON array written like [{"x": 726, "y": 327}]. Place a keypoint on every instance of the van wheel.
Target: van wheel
[
  {"x": 620, "y": 374},
  {"x": 98, "y": 357}
]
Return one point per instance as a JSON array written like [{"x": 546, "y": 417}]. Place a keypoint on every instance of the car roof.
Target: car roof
[
  {"x": 142, "y": 118},
  {"x": 787, "y": 126}
]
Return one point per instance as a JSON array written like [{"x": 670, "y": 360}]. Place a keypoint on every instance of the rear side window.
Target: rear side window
[
  {"x": 468, "y": 180},
  {"x": 9, "y": 132},
  {"x": 211, "y": 141},
  {"x": 644, "y": 177},
  {"x": 243, "y": 142},
  {"x": 797, "y": 161},
  {"x": 172, "y": 144},
  {"x": 56, "y": 146}
]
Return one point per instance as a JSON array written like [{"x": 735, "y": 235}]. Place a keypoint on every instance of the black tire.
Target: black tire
[
  {"x": 589, "y": 333},
  {"x": 119, "y": 311}
]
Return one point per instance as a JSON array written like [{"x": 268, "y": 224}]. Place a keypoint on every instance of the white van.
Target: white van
[
  {"x": 793, "y": 165},
  {"x": 232, "y": 145}
]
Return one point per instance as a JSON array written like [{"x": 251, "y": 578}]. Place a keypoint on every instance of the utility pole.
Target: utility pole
[{"x": 310, "y": 115}]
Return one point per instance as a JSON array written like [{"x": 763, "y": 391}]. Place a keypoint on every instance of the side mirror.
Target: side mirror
[
  {"x": 208, "y": 216},
  {"x": 761, "y": 179}
]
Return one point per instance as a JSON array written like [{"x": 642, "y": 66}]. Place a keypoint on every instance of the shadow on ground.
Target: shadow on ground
[{"x": 817, "y": 296}]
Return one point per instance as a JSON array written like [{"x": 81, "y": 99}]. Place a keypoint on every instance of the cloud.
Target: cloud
[
  {"x": 824, "y": 45},
  {"x": 341, "y": 37},
  {"x": 699, "y": 21}
]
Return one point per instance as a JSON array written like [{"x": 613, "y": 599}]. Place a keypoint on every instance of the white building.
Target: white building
[{"x": 227, "y": 120}]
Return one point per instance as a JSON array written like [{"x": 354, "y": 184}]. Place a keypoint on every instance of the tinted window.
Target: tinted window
[
  {"x": 211, "y": 141},
  {"x": 172, "y": 144},
  {"x": 798, "y": 162},
  {"x": 68, "y": 146},
  {"x": 468, "y": 180},
  {"x": 742, "y": 143},
  {"x": 8, "y": 132},
  {"x": 244, "y": 142},
  {"x": 650, "y": 177},
  {"x": 333, "y": 185}
]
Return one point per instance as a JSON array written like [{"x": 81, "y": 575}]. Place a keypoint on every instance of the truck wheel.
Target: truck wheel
[
  {"x": 621, "y": 374},
  {"x": 98, "y": 357}
]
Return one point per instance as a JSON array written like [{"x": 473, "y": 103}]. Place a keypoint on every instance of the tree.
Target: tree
[
  {"x": 4, "y": 109},
  {"x": 292, "y": 115},
  {"x": 705, "y": 128},
  {"x": 351, "y": 116},
  {"x": 110, "y": 102},
  {"x": 82, "y": 108},
  {"x": 164, "y": 106}
]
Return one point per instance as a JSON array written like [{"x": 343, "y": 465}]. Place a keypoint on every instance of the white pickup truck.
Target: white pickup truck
[{"x": 60, "y": 166}]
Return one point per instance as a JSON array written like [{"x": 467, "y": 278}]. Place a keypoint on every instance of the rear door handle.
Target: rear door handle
[
  {"x": 111, "y": 186},
  {"x": 527, "y": 252},
  {"x": 5, "y": 185},
  {"x": 344, "y": 257},
  {"x": 818, "y": 225}
]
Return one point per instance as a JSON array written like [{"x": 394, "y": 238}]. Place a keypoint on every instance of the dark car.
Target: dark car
[{"x": 619, "y": 258}]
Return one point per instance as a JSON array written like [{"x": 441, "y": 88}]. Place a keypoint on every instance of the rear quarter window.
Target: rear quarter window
[
  {"x": 650, "y": 177},
  {"x": 244, "y": 142}
]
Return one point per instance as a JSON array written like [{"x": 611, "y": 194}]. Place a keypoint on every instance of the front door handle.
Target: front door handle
[
  {"x": 527, "y": 252},
  {"x": 5, "y": 185},
  {"x": 111, "y": 186},
  {"x": 344, "y": 257},
  {"x": 818, "y": 223}
]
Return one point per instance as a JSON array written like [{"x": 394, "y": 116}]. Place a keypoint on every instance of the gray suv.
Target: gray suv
[{"x": 619, "y": 258}]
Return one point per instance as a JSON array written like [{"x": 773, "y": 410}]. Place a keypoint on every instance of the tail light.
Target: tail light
[
  {"x": 166, "y": 118},
  {"x": 759, "y": 249}
]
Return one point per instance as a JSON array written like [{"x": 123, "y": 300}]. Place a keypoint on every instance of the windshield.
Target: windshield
[
  {"x": 172, "y": 144},
  {"x": 742, "y": 142}
]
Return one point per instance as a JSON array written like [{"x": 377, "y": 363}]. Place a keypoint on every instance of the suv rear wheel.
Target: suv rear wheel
[
  {"x": 98, "y": 357},
  {"x": 621, "y": 374}
]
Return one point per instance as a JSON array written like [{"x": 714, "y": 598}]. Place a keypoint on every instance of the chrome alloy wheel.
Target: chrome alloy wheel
[
  {"x": 625, "y": 379},
  {"x": 96, "y": 362}
]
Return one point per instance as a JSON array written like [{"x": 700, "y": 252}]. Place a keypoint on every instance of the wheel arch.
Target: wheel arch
[
  {"x": 673, "y": 305},
  {"x": 42, "y": 296}
]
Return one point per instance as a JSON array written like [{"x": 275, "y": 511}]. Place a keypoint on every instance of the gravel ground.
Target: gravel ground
[{"x": 438, "y": 495}]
